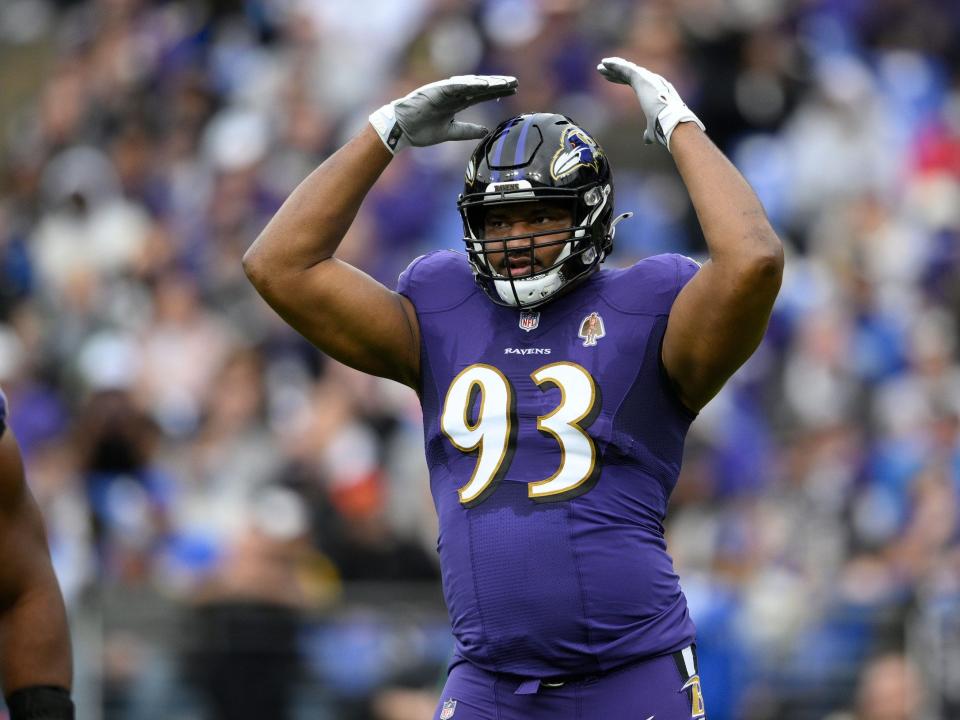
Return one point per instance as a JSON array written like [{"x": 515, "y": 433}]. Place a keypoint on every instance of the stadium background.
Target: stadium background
[{"x": 238, "y": 523}]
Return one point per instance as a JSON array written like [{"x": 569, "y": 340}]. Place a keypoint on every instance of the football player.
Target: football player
[
  {"x": 556, "y": 394},
  {"x": 35, "y": 659}
]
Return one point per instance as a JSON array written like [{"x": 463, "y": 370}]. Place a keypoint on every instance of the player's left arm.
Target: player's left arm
[
  {"x": 721, "y": 314},
  {"x": 35, "y": 655}
]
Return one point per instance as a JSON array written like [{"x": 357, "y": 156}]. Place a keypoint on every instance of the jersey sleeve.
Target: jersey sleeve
[
  {"x": 437, "y": 281},
  {"x": 687, "y": 267},
  {"x": 650, "y": 288},
  {"x": 407, "y": 282},
  {"x": 651, "y": 285}
]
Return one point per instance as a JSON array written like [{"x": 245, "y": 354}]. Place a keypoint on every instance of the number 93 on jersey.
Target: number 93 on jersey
[{"x": 479, "y": 416}]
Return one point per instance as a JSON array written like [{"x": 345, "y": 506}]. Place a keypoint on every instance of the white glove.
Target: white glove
[
  {"x": 658, "y": 98},
  {"x": 425, "y": 116}
]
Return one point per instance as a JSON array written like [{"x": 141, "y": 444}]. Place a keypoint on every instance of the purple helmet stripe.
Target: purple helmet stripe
[
  {"x": 518, "y": 156},
  {"x": 498, "y": 150}
]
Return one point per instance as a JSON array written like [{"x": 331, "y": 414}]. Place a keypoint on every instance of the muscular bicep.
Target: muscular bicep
[
  {"x": 351, "y": 317},
  {"x": 716, "y": 323}
]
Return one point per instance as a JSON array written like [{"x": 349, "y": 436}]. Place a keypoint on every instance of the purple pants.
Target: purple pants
[{"x": 661, "y": 688}]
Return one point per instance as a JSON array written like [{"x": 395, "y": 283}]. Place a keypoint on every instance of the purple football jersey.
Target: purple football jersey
[{"x": 554, "y": 442}]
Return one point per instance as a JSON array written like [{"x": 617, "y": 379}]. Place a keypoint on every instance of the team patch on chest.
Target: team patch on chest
[{"x": 591, "y": 329}]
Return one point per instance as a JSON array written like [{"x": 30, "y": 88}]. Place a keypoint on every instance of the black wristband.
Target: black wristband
[{"x": 40, "y": 702}]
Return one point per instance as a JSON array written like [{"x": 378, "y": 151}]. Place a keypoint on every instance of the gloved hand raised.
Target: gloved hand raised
[
  {"x": 658, "y": 98},
  {"x": 425, "y": 116}
]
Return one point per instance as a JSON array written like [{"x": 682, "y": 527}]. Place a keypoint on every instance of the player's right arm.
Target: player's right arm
[{"x": 340, "y": 309}]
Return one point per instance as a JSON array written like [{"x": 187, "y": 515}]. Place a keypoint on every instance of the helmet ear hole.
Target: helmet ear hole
[{"x": 592, "y": 196}]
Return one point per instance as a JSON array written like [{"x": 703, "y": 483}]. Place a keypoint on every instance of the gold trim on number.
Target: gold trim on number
[
  {"x": 532, "y": 486},
  {"x": 466, "y": 424}
]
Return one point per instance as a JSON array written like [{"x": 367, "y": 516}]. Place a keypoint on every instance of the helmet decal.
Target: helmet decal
[{"x": 577, "y": 149}]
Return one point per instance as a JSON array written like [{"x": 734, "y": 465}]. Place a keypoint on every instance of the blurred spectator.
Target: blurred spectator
[
  {"x": 889, "y": 689},
  {"x": 244, "y": 623}
]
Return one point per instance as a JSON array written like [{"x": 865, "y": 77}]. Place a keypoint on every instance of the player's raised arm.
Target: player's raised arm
[
  {"x": 35, "y": 659},
  {"x": 341, "y": 310},
  {"x": 720, "y": 316}
]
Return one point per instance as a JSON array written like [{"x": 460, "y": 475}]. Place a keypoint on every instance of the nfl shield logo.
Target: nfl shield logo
[
  {"x": 529, "y": 319},
  {"x": 449, "y": 708}
]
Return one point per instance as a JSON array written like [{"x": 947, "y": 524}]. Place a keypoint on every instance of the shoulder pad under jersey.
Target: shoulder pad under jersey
[
  {"x": 651, "y": 285},
  {"x": 437, "y": 281}
]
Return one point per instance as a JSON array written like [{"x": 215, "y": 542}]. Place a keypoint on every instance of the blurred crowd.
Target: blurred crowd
[{"x": 185, "y": 444}]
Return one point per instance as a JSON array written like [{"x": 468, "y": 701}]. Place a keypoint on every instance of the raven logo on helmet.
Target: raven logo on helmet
[{"x": 577, "y": 149}]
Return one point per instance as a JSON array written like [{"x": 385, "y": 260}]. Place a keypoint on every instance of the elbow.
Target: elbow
[
  {"x": 766, "y": 262},
  {"x": 253, "y": 267},
  {"x": 249, "y": 263},
  {"x": 260, "y": 272}
]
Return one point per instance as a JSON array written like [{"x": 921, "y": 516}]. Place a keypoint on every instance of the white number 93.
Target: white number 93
[{"x": 492, "y": 432}]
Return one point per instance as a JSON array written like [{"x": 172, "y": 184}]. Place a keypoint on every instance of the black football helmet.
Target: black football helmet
[{"x": 539, "y": 156}]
